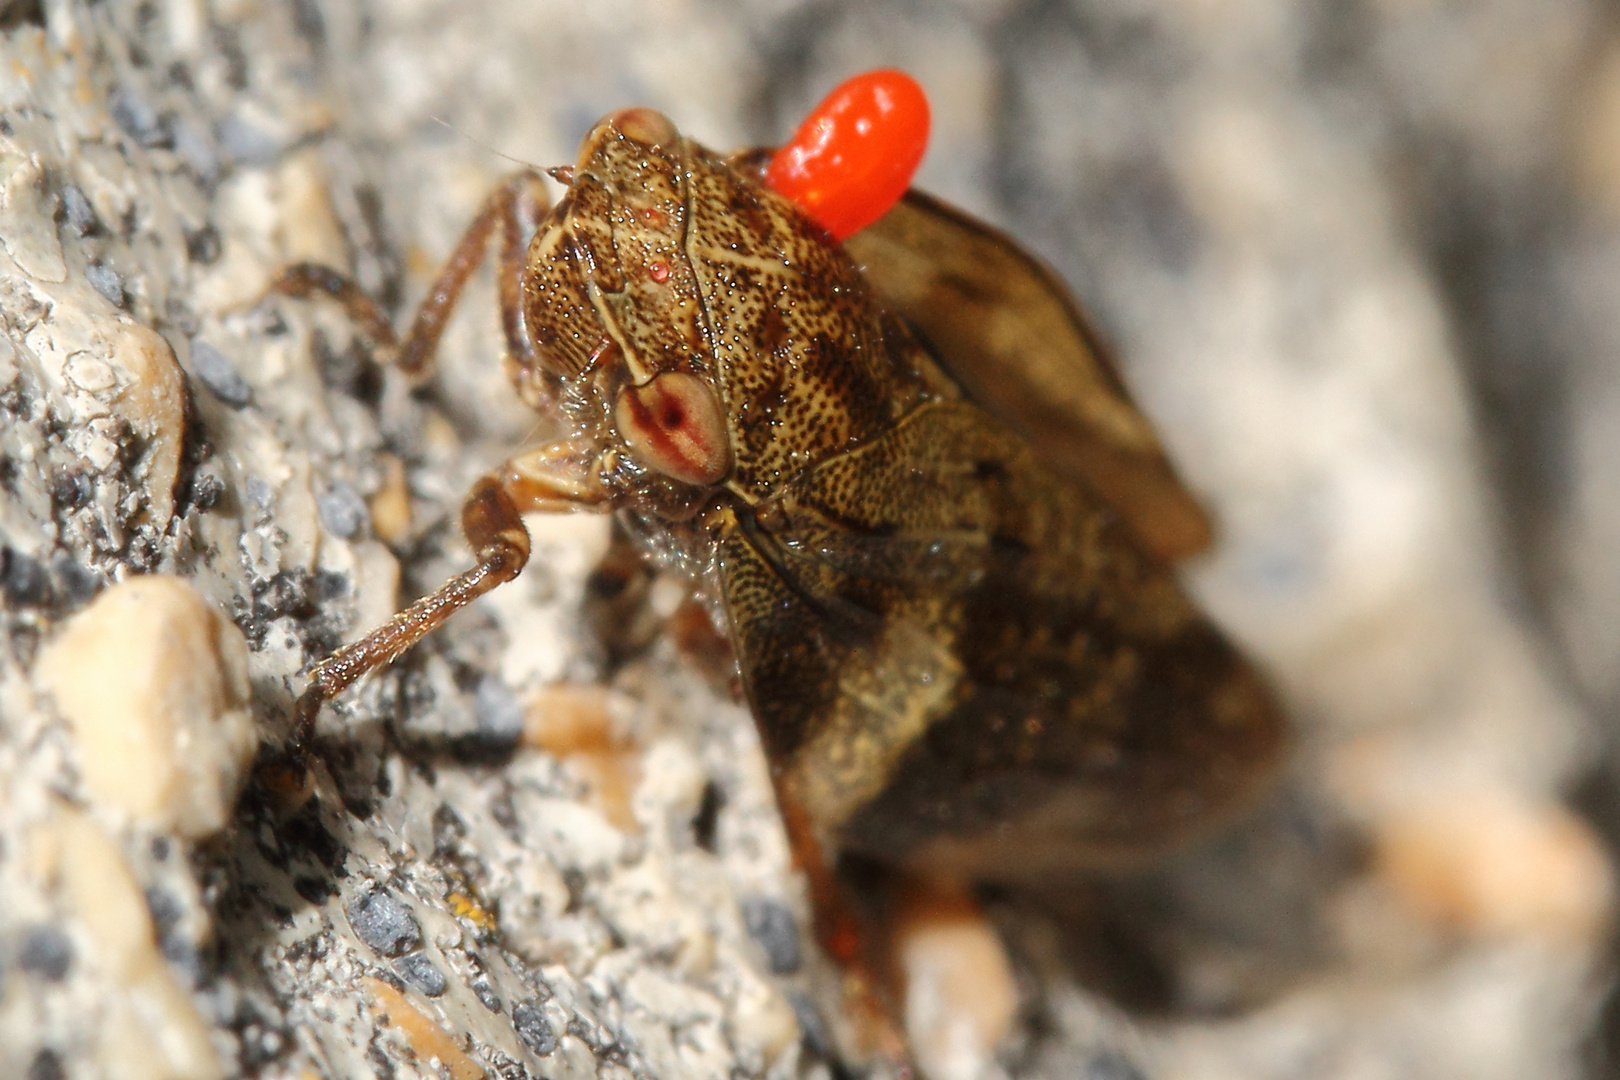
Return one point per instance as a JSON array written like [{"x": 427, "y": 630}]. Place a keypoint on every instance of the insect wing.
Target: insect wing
[
  {"x": 1004, "y": 326},
  {"x": 959, "y": 660}
]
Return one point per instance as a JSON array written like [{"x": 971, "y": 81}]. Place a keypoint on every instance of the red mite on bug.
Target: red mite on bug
[{"x": 911, "y": 487}]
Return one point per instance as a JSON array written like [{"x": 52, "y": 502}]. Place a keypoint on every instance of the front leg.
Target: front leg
[
  {"x": 560, "y": 477},
  {"x": 512, "y": 210}
]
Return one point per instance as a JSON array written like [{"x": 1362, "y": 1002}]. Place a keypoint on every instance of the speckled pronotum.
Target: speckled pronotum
[{"x": 925, "y": 513}]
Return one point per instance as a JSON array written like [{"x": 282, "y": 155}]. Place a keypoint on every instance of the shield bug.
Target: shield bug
[{"x": 900, "y": 470}]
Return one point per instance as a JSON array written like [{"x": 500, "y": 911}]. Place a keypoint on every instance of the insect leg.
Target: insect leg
[
  {"x": 557, "y": 477},
  {"x": 513, "y": 207},
  {"x": 848, "y": 939},
  {"x": 494, "y": 528}
]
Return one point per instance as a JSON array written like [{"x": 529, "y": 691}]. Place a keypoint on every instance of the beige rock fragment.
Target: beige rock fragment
[
  {"x": 1497, "y": 862},
  {"x": 153, "y": 1031},
  {"x": 426, "y": 1037},
  {"x": 27, "y": 228},
  {"x": 762, "y": 1021},
  {"x": 960, "y": 997},
  {"x": 154, "y": 684},
  {"x": 391, "y": 505},
  {"x": 153, "y": 400},
  {"x": 576, "y": 723},
  {"x": 309, "y": 229}
]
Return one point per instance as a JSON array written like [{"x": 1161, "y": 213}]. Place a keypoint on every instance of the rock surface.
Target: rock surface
[{"x": 1359, "y": 260}]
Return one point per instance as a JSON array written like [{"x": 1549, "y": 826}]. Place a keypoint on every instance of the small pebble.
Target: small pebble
[
  {"x": 152, "y": 398},
  {"x": 774, "y": 929},
  {"x": 1500, "y": 863},
  {"x": 245, "y": 142},
  {"x": 391, "y": 505},
  {"x": 383, "y": 923},
  {"x": 575, "y": 723},
  {"x": 203, "y": 245},
  {"x": 195, "y": 149},
  {"x": 156, "y": 1022},
  {"x": 217, "y": 373},
  {"x": 960, "y": 997},
  {"x": 77, "y": 211},
  {"x": 106, "y": 281},
  {"x": 419, "y": 971},
  {"x": 46, "y": 951},
  {"x": 153, "y": 682},
  {"x": 498, "y": 711},
  {"x": 486, "y": 995},
  {"x": 342, "y": 510},
  {"x": 531, "y": 1026},
  {"x": 136, "y": 116},
  {"x": 426, "y": 1037}
]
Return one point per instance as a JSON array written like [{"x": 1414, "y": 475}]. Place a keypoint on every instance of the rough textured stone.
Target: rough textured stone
[{"x": 1359, "y": 261}]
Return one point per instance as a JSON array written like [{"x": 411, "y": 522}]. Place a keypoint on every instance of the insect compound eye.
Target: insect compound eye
[{"x": 674, "y": 424}]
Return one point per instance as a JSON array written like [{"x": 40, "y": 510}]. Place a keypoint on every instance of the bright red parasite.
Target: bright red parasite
[{"x": 854, "y": 155}]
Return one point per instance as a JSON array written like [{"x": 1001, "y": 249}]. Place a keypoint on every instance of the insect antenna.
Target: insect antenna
[{"x": 448, "y": 126}]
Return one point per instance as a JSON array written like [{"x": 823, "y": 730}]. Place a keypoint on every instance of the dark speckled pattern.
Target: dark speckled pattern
[{"x": 957, "y": 655}]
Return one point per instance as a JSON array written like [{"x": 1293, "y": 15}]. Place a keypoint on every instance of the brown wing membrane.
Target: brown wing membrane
[
  {"x": 1018, "y": 688},
  {"x": 1005, "y": 327}
]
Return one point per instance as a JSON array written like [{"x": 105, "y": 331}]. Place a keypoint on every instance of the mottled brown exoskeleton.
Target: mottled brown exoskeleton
[{"x": 927, "y": 516}]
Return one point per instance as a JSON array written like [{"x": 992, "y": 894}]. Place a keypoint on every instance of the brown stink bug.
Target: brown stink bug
[{"x": 912, "y": 490}]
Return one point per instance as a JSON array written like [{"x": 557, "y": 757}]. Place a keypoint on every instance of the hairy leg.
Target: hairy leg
[
  {"x": 512, "y": 209},
  {"x": 495, "y": 530}
]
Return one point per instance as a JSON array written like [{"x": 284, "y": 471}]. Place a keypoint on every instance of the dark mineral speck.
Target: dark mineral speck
[
  {"x": 138, "y": 118},
  {"x": 531, "y": 1026},
  {"x": 305, "y": 836},
  {"x": 419, "y": 971},
  {"x": 23, "y": 579},
  {"x": 1110, "y": 1067},
  {"x": 203, "y": 245},
  {"x": 706, "y": 821},
  {"x": 106, "y": 281},
  {"x": 774, "y": 929},
  {"x": 46, "y": 951},
  {"x": 217, "y": 373},
  {"x": 77, "y": 583},
  {"x": 46, "y": 1066},
  {"x": 313, "y": 889},
  {"x": 486, "y": 995},
  {"x": 816, "y": 1036},
  {"x": 342, "y": 510},
  {"x": 165, "y": 910},
  {"x": 499, "y": 717},
  {"x": 206, "y": 492},
  {"x": 382, "y": 922},
  {"x": 77, "y": 212},
  {"x": 72, "y": 490}
]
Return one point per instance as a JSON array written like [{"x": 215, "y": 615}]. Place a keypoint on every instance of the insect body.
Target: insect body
[{"x": 964, "y": 653}]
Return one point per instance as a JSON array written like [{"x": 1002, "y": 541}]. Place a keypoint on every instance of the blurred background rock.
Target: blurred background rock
[{"x": 1361, "y": 263}]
